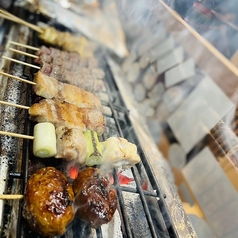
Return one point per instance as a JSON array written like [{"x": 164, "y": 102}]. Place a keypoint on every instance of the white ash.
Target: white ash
[
  {"x": 149, "y": 78},
  {"x": 103, "y": 97},
  {"x": 134, "y": 73},
  {"x": 126, "y": 65},
  {"x": 162, "y": 112},
  {"x": 136, "y": 215},
  {"x": 155, "y": 95},
  {"x": 113, "y": 228},
  {"x": 139, "y": 92},
  {"x": 155, "y": 129},
  {"x": 107, "y": 111},
  {"x": 146, "y": 108},
  {"x": 173, "y": 97},
  {"x": 144, "y": 61}
]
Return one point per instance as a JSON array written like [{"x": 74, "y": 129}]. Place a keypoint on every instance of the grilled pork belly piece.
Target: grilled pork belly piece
[
  {"x": 87, "y": 79},
  {"x": 68, "y": 60},
  {"x": 117, "y": 151},
  {"x": 61, "y": 73},
  {"x": 66, "y": 114},
  {"x": 95, "y": 198},
  {"x": 48, "y": 202},
  {"x": 49, "y": 87},
  {"x": 71, "y": 144}
]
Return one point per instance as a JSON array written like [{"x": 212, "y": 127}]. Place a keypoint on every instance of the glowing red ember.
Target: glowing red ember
[
  {"x": 124, "y": 180},
  {"x": 73, "y": 172}
]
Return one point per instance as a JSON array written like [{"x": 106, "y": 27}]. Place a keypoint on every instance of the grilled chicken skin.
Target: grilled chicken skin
[
  {"x": 71, "y": 144},
  {"x": 48, "y": 202},
  {"x": 49, "y": 87},
  {"x": 66, "y": 114},
  {"x": 95, "y": 198}
]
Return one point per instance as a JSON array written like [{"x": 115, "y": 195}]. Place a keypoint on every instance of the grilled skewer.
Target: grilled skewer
[
  {"x": 50, "y": 35},
  {"x": 48, "y": 87},
  {"x": 88, "y": 79},
  {"x": 65, "y": 114}
]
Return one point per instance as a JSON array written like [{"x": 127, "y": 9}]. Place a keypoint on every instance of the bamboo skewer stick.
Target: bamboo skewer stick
[
  {"x": 11, "y": 17},
  {"x": 11, "y": 196},
  {"x": 223, "y": 19},
  {"x": 7, "y": 133},
  {"x": 6, "y": 17},
  {"x": 15, "y": 77},
  {"x": 20, "y": 62},
  {"x": 23, "y": 45},
  {"x": 23, "y": 53},
  {"x": 14, "y": 105}
]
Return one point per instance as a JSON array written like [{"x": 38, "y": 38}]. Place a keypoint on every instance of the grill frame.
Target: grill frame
[{"x": 118, "y": 107}]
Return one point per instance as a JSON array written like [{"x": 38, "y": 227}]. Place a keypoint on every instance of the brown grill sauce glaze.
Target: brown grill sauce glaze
[
  {"x": 95, "y": 198},
  {"x": 48, "y": 202}
]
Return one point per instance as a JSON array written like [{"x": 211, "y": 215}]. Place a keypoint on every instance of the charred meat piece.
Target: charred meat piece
[
  {"x": 48, "y": 202},
  {"x": 49, "y": 87},
  {"x": 87, "y": 79},
  {"x": 66, "y": 114},
  {"x": 95, "y": 198},
  {"x": 57, "y": 70},
  {"x": 68, "y": 60},
  {"x": 71, "y": 144}
]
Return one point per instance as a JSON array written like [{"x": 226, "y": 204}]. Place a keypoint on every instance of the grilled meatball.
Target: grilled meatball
[
  {"x": 48, "y": 202},
  {"x": 95, "y": 198}
]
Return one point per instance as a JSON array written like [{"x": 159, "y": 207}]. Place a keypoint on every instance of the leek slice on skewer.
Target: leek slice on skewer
[
  {"x": 94, "y": 153},
  {"x": 44, "y": 143}
]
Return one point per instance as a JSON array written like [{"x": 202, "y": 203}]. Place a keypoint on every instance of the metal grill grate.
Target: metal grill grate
[{"x": 142, "y": 211}]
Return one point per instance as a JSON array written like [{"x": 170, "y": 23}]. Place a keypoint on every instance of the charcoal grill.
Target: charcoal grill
[{"x": 142, "y": 208}]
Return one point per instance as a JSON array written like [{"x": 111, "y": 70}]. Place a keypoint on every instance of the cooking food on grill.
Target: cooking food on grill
[
  {"x": 48, "y": 202},
  {"x": 87, "y": 79},
  {"x": 61, "y": 73},
  {"x": 71, "y": 144},
  {"x": 95, "y": 198},
  {"x": 68, "y": 60},
  {"x": 44, "y": 143},
  {"x": 49, "y": 87},
  {"x": 66, "y": 41},
  {"x": 117, "y": 151},
  {"x": 66, "y": 114}
]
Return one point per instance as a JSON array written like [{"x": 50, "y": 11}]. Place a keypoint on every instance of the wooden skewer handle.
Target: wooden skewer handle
[
  {"x": 6, "y": 133},
  {"x": 24, "y": 53},
  {"x": 23, "y": 45},
  {"x": 15, "y": 77},
  {"x": 12, "y": 17},
  {"x": 14, "y": 105},
  {"x": 20, "y": 62},
  {"x": 11, "y": 196}
]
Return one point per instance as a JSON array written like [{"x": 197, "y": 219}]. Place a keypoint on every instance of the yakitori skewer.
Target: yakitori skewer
[
  {"x": 89, "y": 79},
  {"x": 48, "y": 87},
  {"x": 52, "y": 36},
  {"x": 9, "y": 16},
  {"x": 11, "y": 196}
]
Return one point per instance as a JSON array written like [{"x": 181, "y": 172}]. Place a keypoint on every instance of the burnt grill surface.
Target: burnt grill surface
[{"x": 141, "y": 210}]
